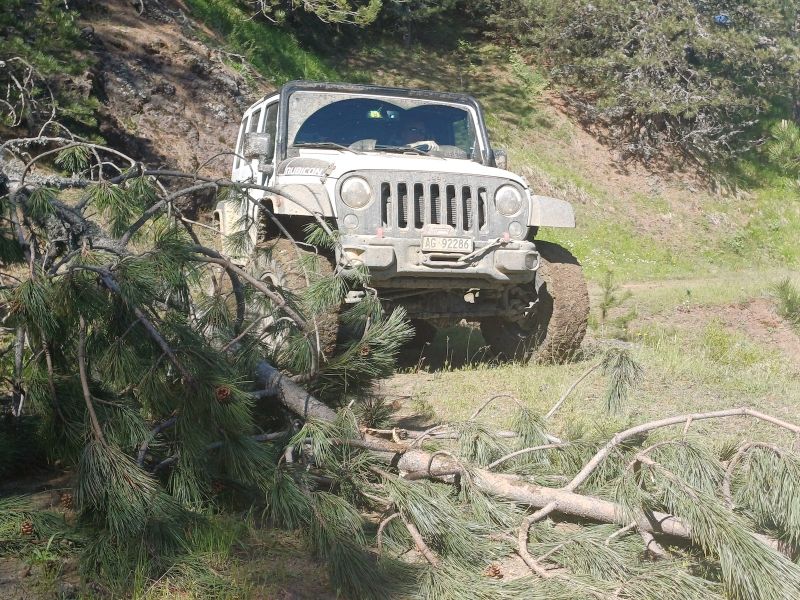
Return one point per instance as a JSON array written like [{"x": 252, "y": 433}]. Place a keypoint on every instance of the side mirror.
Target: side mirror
[
  {"x": 501, "y": 159},
  {"x": 258, "y": 145}
]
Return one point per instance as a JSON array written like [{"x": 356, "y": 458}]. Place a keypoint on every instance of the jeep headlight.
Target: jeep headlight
[
  {"x": 508, "y": 200},
  {"x": 355, "y": 192}
]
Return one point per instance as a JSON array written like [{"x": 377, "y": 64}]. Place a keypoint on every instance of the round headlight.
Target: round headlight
[
  {"x": 508, "y": 200},
  {"x": 355, "y": 192},
  {"x": 516, "y": 230},
  {"x": 350, "y": 221}
]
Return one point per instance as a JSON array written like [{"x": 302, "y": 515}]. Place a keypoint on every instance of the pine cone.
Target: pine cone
[
  {"x": 493, "y": 570},
  {"x": 224, "y": 394},
  {"x": 217, "y": 487},
  {"x": 365, "y": 350},
  {"x": 66, "y": 500},
  {"x": 26, "y": 528}
]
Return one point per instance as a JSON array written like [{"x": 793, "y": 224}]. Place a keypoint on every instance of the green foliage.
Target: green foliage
[
  {"x": 46, "y": 36},
  {"x": 275, "y": 53},
  {"x": 766, "y": 486},
  {"x": 788, "y": 301},
  {"x": 611, "y": 299},
  {"x": 584, "y": 550},
  {"x": 374, "y": 411},
  {"x": 287, "y": 505},
  {"x": 478, "y": 444},
  {"x": 441, "y": 521},
  {"x": 697, "y": 77},
  {"x": 17, "y": 510},
  {"x": 623, "y": 373},
  {"x": 750, "y": 570},
  {"x": 371, "y": 356},
  {"x": 530, "y": 81},
  {"x": 74, "y": 159},
  {"x": 783, "y": 149},
  {"x": 328, "y": 11}
]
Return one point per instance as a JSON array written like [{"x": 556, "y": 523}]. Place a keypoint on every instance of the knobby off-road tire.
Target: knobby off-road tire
[
  {"x": 424, "y": 333},
  {"x": 290, "y": 268},
  {"x": 555, "y": 330}
]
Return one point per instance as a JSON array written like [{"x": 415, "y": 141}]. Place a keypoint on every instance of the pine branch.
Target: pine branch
[
  {"x": 421, "y": 545},
  {"x": 508, "y": 457},
  {"x": 108, "y": 281},
  {"x": 87, "y": 396},
  {"x": 732, "y": 464},
  {"x": 590, "y": 467},
  {"x": 155, "y": 431},
  {"x": 212, "y": 256}
]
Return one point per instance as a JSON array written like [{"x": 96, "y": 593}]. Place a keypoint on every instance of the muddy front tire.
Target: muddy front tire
[
  {"x": 424, "y": 333},
  {"x": 554, "y": 329}
]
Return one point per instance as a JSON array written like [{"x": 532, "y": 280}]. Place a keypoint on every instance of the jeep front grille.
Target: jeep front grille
[{"x": 408, "y": 204}]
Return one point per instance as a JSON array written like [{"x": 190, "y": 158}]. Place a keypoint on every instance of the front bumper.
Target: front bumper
[{"x": 400, "y": 262}]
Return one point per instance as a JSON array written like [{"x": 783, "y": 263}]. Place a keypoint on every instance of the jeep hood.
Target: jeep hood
[
  {"x": 334, "y": 163},
  {"x": 310, "y": 179}
]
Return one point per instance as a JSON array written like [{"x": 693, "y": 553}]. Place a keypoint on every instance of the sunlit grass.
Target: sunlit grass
[{"x": 688, "y": 367}]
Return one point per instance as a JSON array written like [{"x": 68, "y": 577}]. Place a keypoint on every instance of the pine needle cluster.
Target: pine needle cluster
[{"x": 134, "y": 363}]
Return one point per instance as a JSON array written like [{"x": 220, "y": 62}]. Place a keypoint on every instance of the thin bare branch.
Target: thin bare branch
[
  {"x": 508, "y": 457},
  {"x": 421, "y": 545},
  {"x": 481, "y": 408},
  {"x": 522, "y": 539},
  {"x": 601, "y": 455},
  {"x": 87, "y": 396},
  {"x": 571, "y": 388},
  {"x": 381, "y": 527}
]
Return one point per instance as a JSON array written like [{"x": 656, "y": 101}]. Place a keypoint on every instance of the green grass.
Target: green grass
[
  {"x": 613, "y": 246},
  {"x": 788, "y": 297},
  {"x": 700, "y": 364},
  {"x": 274, "y": 52}
]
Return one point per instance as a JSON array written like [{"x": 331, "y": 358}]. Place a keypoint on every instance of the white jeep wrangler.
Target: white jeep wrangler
[{"x": 418, "y": 196}]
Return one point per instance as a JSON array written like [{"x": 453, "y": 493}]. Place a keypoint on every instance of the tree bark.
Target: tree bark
[{"x": 500, "y": 485}]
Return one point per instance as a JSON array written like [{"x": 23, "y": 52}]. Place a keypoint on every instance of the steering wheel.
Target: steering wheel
[{"x": 425, "y": 146}]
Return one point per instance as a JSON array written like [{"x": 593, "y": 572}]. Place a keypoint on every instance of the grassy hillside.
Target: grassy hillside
[
  {"x": 665, "y": 221},
  {"x": 274, "y": 52}
]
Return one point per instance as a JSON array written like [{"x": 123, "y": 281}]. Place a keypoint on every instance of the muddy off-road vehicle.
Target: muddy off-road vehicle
[{"x": 418, "y": 196}]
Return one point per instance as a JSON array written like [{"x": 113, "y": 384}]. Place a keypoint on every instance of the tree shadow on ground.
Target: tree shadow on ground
[{"x": 452, "y": 348}]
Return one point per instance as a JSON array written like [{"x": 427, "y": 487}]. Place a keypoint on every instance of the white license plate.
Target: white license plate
[{"x": 437, "y": 243}]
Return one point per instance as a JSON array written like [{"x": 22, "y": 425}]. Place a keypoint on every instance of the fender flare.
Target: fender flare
[{"x": 550, "y": 212}]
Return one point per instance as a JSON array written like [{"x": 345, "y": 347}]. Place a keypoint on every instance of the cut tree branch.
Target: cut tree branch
[{"x": 509, "y": 487}]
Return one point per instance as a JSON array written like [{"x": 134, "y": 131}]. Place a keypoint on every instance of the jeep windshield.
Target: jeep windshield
[{"x": 373, "y": 123}]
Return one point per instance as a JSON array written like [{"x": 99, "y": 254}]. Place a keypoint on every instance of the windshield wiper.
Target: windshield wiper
[
  {"x": 332, "y": 145},
  {"x": 403, "y": 149}
]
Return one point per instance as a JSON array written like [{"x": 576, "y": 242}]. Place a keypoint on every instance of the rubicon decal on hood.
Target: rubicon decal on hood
[{"x": 305, "y": 166}]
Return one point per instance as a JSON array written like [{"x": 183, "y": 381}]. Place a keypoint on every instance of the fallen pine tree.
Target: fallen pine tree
[
  {"x": 133, "y": 344},
  {"x": 757, "y": 565}
]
